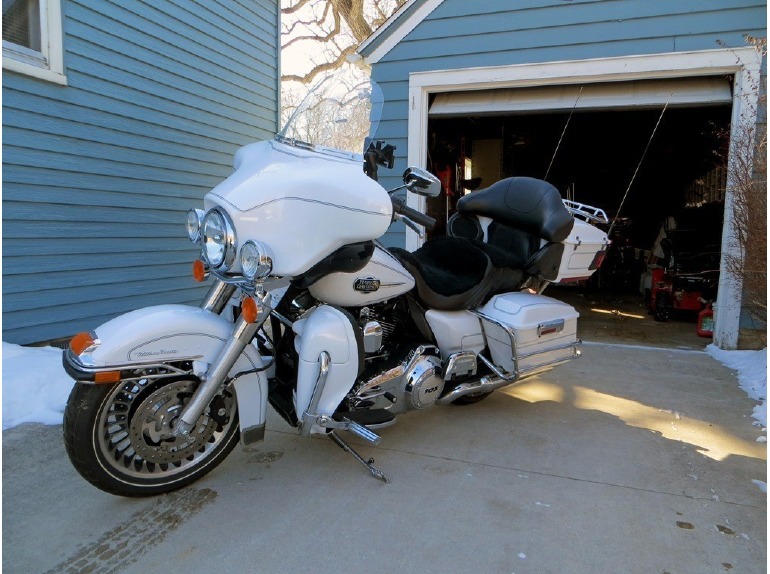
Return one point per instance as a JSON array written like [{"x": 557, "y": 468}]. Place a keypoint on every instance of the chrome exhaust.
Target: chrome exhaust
[{"x": 483, "y": 385}]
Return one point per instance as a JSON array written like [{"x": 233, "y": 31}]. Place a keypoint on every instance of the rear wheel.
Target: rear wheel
[
  {"x": 471, "y": 399},
  {"x": 119, "y": 438}
]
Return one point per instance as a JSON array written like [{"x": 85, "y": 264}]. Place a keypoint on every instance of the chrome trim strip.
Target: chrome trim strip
[
  {"x": 559, "y": 348},
  {"x": 557, "y": 325},
  {"x": 90, "y": 370}
]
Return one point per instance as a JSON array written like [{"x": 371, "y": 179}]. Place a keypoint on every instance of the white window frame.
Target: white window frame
[
  {"x": 48, "y": 63},
  {"x": 744, "y": 64}
]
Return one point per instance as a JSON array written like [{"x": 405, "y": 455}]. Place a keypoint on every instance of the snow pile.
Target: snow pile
[
  {"x": 35, "y": 385},
  {"x": 752, "y": 375}
]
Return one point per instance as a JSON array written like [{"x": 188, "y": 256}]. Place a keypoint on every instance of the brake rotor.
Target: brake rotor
[{"x": 151, "y": 426}]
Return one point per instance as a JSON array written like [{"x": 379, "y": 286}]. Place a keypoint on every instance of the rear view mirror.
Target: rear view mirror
[{"x": 422, "y": 182}]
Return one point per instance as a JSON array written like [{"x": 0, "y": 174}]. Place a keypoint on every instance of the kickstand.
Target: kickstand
[{"x": 376, "y": 473}]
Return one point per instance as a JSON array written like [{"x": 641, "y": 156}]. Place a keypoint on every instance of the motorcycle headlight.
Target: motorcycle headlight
[
  {"x": 218, "y": 239},
  {"x": 256, "y": 262},
  {"x": 194, "y": 218}
]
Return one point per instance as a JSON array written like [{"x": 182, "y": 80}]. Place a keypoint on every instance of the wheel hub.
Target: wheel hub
[{"x": 151, "y": 426}]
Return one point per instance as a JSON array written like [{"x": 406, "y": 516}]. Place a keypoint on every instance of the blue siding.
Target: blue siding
[
  {"x": 98, "y": 174},
  {"x": 461, "y": 34}
]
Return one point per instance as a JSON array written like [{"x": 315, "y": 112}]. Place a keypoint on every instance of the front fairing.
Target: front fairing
[{"x": 304, "y": 203}]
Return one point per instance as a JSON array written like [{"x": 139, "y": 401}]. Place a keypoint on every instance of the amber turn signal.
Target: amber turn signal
[
  {"x": 249, "y": 310},
  {"x": 81, "y": 342},
  {"x": 199, "y": 271},
  {"x": 106, "y": 377}
]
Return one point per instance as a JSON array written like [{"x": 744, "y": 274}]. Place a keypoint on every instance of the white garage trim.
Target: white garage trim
[
  {"x": 605, "y": 96},
  {"x": 742, "y": 63}
]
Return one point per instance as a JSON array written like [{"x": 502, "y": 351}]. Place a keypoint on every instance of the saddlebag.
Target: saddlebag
[{"x": 527, "y": 333}]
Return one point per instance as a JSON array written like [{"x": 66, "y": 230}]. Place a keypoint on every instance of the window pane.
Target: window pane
[{"x": 21, "y": 23}]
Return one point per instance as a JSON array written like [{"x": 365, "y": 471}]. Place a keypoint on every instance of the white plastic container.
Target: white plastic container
[
  {"x": 580, "y": 251},
  {"x": 544, "y": 331}
]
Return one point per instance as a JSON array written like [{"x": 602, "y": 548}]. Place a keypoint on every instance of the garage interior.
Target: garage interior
[{"x": 591, "y": 145}]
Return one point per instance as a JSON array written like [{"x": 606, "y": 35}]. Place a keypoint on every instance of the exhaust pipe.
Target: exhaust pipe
[{"x": 483, "y": 385}]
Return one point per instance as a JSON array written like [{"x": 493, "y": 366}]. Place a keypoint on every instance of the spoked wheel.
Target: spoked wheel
[{"x": 119, "y": 437}]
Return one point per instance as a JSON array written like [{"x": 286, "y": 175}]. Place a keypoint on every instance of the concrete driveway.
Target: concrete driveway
[{"x": 628, "y": 460}]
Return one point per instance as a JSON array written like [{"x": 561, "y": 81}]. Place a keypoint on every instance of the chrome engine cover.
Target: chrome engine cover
[
  {"x": 423, "y": 382},
  {"x": 415, "y": 383}
]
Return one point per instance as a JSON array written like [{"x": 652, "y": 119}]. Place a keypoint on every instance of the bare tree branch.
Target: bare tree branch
[
  {"x": 343, "y": 25},
  {"x": 296, "y": 8},
  {"x": 323, "y": 39},
  {"x": 319, "y": 68},
  {"x": 318, "y": 21}
]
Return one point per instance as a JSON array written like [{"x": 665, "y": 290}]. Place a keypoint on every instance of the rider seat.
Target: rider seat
[{"x": 454, "y": 273}]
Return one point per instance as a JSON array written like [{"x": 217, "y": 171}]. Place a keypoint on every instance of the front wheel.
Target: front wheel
[{"x": 118, "y": 436}]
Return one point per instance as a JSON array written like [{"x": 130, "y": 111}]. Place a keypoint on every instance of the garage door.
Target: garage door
[{"x": 701, "y": 91}]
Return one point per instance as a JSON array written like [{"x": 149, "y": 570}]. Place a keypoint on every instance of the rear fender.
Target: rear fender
[{"x": 167, "y": 334}]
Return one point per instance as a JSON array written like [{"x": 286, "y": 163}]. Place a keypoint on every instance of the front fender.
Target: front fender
[
  {"x": 164, "y": 333},
  {"x": 171, "y": 334}
]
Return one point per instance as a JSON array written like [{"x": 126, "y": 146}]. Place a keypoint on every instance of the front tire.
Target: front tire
[{"x": 117, "y": 436}]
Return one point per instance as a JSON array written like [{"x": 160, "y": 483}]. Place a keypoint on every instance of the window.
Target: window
[{"x": 32, "y": 39}]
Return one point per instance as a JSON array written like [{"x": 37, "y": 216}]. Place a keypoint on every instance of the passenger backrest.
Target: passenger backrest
[
  {"x": 529, "y": 223},
  {"x": 524, "y": 203}
]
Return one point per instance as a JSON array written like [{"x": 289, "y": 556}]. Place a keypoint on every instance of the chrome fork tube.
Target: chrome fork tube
[
  {"x": 218, "y": 296},
  {"x": 211, "y": 382}
]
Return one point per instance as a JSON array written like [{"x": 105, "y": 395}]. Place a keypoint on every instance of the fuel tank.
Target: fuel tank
[{"x": 381, "y": 279}]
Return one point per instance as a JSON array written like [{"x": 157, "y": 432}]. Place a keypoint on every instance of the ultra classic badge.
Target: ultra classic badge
[{"x": 367, "y": 284}]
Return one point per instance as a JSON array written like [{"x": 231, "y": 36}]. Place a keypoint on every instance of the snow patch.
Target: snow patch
[
  {"x": 752, "y": 375},
  {"x": 35, "y": 385}
]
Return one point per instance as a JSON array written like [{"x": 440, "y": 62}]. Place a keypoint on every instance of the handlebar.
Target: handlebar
[{"x": 400, "y": 207}]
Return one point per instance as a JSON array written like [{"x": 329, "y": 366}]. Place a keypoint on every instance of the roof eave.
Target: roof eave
[{"x": 395, "y": 28}]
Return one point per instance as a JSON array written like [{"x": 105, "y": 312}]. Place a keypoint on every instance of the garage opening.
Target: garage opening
[{"x": 590, "y": 151}]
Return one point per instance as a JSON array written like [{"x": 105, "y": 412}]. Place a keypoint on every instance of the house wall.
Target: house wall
[
  {"x": 499, "y": 32},
  {"x": 98, "y": 174}
]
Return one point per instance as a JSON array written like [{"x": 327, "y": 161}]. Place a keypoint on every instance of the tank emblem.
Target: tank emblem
[{"x": 367, "y": 284}]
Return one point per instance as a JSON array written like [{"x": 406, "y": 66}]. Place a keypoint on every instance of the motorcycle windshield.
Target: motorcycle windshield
[{"x": 336, "y": 114}]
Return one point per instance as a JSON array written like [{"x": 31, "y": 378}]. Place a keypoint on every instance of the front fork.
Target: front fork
[
  {"x": 218, "y": 296},
  {"x": 212, "y": 380}
]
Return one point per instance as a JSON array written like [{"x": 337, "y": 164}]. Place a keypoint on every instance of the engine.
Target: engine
[{"x": 414, "y": 383}]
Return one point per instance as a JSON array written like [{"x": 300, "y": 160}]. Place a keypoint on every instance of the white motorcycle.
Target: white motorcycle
[{"x": 310, "y": 313}]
